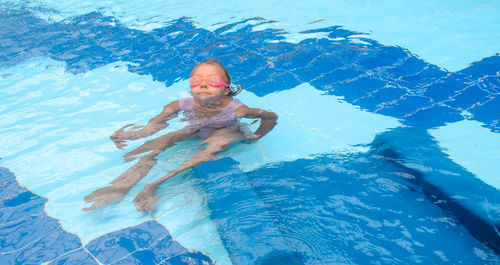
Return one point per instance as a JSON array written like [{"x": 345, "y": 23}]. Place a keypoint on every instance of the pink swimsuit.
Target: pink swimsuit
[{"x": 223, "y": 119}]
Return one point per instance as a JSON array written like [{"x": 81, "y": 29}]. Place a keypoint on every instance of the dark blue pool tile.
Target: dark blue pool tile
[
  {"x": 141, "y": 257},
  {"x": 7, "y": 189},
  {"x": 322, "y": 64},
  {"x": 65, "y": 46},
  {"x": 488, "y": 112},
  {"x": 310, "y": 50},
  {"x": 469, "y": 97},
  {"x": 167, "y": 248},
  {"x": 337, "y": 32},
  {"x": 17, "y": 202},
  {"x": 116, "y": 245},
  {"x": 275, "y": 80},
  {"x": 250, "y": 39},
  {"x": 355, "y": 89},
  {"x": 412, "y": 65},
  {"x": 78, "y": 257},
  {"x": 252, "y": 81},
  {"x": 325, "y": 81},
  {"x": 162, "y": 250},
  {"x": 149, "y": 257},
  {"x": 245, "y": 35},
  {"x": 405, "y": 106},
  {"x": 298, "y": 58},
  {"x": 445, "y": 88},
  {"x": 20, "y": 199},
  {"x": 383, "y": 56},
  {"x": 380, "y": 96},
  {"x": 271, "y": 50},
  {"x": 487, "y": 66},
  {"x": 51, "y": 245},
  {"x": 166, "y": 68},
  {"x": 424, "y": 78},
  {"x": 389, "y": 93},
  {"x": 433, "y": 117},
  {"x": 197, "y": 41},
  {"x": 490, "y": 84},
  {"x": 178, "y": 25},
  {"x": 368, "y": 103},
  {"x": 194, "y": 258},
  {"x": 333, "y": 31},
  {"x": 253, "y": 69},
  {"x": 230, "y": 26},
  {"x": 25, "y": 231}
]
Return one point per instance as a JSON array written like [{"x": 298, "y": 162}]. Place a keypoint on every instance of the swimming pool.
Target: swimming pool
[{"x": 384, "y": 152}]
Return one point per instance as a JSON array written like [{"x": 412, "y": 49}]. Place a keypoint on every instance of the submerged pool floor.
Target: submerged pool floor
[{"x": 351, "y": 175}]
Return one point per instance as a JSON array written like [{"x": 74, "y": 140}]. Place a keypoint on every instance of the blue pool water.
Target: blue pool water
[{"x": 385, "y": 151}]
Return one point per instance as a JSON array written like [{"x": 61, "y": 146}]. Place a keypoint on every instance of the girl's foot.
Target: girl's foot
[
  {"x": 146, "y": 200},
  {"x": 104, "y": 196}
]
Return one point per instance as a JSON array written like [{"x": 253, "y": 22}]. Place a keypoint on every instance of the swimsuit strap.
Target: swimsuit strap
[{"x": 232, "y": 106}]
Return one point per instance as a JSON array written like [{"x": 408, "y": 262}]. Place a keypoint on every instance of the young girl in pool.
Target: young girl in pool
[{"x": 213, "y": 115}]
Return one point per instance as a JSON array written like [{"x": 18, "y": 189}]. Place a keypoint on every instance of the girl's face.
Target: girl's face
[{"x": 206, "y": 89}]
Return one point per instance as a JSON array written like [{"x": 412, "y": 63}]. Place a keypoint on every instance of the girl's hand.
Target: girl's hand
[
  {"x": 119, "y": 137},
  {"x": 253, "y": 138},
  {"x": 120, "y": 144}
]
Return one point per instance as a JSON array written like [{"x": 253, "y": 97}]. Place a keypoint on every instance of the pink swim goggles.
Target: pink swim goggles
[{"x": 212, "y": 80}]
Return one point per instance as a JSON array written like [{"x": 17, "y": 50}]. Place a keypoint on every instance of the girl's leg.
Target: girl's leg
[
  {"x": 219, "y": 140},
  {"x": 121, "y": 185}
]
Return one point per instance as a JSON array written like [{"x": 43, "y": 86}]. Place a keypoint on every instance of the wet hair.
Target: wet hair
[{"x": 234, "y": 89}]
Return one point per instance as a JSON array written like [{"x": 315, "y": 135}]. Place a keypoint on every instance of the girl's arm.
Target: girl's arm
[
  {"x": 154, "y": 125},
  {"x": 267, "y": 119}
]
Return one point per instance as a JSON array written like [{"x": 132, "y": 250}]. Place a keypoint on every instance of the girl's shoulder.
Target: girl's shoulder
[
  {"x": 185, "y": 103},
  {"x": 241, "y": 110},
  {"x": 238, "y": 106},
  {"x": 174, "y": 104},
  {"x": 236, "y": 102}
]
